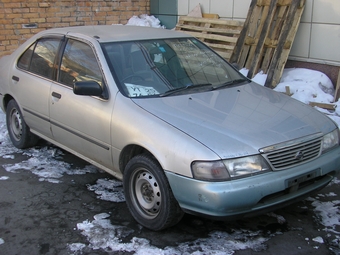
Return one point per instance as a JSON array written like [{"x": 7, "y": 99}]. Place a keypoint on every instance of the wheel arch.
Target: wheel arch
[
  {"x": 6, "y": 100},
  {"x": 131, "y": 151}
]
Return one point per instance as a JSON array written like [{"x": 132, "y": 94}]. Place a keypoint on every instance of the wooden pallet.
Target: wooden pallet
[
  {"x": 267, "y": 37},
  {"x": 337, "y": 88},
  {"x": 220, "y": 35}
]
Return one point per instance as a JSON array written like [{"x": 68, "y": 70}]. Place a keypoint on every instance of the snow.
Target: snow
[
  {"x": 306, "y": 86},
  {"x": 109, "y": 190},
  {"x": 39, "y": 163},
  {"x": 318, "y": 239},
  {"x": 145, "y": 20},
  {"x": 103, "y": 235},
  {"x": 328, "y": 213},
  {"x": 46, "y": 162}
]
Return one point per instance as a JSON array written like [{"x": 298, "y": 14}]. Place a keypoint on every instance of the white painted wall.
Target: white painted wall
[{"x": 318, "y": 36}]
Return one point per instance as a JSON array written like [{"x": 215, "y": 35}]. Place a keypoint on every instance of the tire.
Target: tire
[
  {"x": 148, "y": 194},
  {"x": 18, "y": 130}
]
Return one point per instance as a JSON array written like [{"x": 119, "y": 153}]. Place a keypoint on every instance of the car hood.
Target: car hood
[{"x": 238, "y": 121}]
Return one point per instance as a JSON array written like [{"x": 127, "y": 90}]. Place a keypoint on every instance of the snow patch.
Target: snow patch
[
  {"x": 328, "y": 213},
  {"x": 318, "y": 239},
  {"x": 145, "y": 20},
  {"x": 109, "y": 190},
  {"x": 76, "y": 247},
  {"x": 46, "y": 163},
  {"x": 103, "y": 235}
]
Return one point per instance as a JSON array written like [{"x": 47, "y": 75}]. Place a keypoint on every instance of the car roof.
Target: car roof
[{"x": 110, "y": 33}]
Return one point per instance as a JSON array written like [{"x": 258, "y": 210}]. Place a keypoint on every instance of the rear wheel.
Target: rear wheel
[
  {"x": 148, "y": 194},
  {"x": 18, "y": 130}
]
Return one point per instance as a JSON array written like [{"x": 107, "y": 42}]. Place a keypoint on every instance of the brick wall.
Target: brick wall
[{"x": 20, "y": 19}]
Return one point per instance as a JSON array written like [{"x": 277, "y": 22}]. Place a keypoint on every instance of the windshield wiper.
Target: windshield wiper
[
  {"x": 233, "y": 82},
  {"x": 188, "y": 87}
]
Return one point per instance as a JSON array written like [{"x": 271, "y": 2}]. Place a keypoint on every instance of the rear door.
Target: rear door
[
  {"x": 81, "y": 123},
  {"x": 31, "y": 82}
]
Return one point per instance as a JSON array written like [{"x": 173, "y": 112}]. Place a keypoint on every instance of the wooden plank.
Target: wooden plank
[
  {"x": 210, "y": 30},
  {"x": 337, "y": 88},
  {"x": 254, "y": 67},
  {"x": 225, "y": 47},
  {"x": 268, "y": 2},
  {"x": 206, "y": 27},
  {"x": 180, "y": 22},
  {"x": 210, "y": 16},
  {"x": 288, "y": 91},
  {"x": 225, "y": 55},
  {"x": 323, "y": 105},
  {"x": 213, "y": 21},
  {"x": 219, "y": 38},
  {"x": 258, "y": 17},
  {"x": 272, "y": 40},
  {"x": 288, "y": 44},
  {"x": 237, "y": 56},
  {"x": 288, "y": 33}
]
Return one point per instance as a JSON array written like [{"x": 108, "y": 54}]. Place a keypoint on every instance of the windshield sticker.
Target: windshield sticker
[{"x": 138, "y": 90}]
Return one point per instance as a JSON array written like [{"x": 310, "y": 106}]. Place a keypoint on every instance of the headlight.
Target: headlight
[
  {"x": 330, "y": 140},
  {"x": 240, "y": 167},
  {"x": 229, "y": 168}
]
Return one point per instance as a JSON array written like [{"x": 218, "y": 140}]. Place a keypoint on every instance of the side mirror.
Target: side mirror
[{"x": 87, "y": 88}]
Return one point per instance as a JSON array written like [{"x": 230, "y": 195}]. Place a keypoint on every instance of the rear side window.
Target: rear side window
[
  {"x": 40, "y": 57},
  {"x": 79, "y": 63},
  {"x": 25, "y": 59}
]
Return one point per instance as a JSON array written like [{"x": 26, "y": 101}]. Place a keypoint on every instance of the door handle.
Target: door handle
[
  {"x": 56, "y": 95},
  {"x": 15, "y": 78}
]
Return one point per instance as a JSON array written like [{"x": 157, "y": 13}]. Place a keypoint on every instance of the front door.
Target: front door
[{"x": 81, "y": 123}]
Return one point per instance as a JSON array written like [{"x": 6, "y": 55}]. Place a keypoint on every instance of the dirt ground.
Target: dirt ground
[{"x": 40, "y": 217}]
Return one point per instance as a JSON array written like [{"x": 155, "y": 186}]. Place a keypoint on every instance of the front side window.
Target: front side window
[
  {"x": 79, "y": 64},
  {"x": 40, "y": 57},
  {"x": 168, "y": 67}
]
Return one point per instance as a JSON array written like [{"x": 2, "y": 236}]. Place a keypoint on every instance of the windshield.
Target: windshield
[{"x": 167, "y": 67}]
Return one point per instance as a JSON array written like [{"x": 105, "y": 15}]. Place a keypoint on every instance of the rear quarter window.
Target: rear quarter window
[{"x": 25, "y": 59}]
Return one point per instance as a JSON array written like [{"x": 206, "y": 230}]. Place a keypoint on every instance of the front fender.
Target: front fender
[{"x": 173, "y": 149}]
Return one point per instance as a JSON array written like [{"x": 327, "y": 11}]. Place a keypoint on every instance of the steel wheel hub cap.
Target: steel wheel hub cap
[
  {"x": 16, "y": 125},
  {"x": 148, "y": 193}
]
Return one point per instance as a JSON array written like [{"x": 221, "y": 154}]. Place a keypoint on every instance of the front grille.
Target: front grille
[{"x": 294, "y": 154}]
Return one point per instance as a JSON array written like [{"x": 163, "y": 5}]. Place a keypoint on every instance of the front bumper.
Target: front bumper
[{"x": 256, "y": 194}]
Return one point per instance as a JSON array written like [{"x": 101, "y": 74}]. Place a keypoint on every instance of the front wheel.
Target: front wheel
[
  {"x": 18, "y": 130},
  {"x": 148, "y": 194}
]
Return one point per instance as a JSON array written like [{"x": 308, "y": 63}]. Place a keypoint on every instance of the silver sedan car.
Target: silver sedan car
[{"x": 180, "y": 126}]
